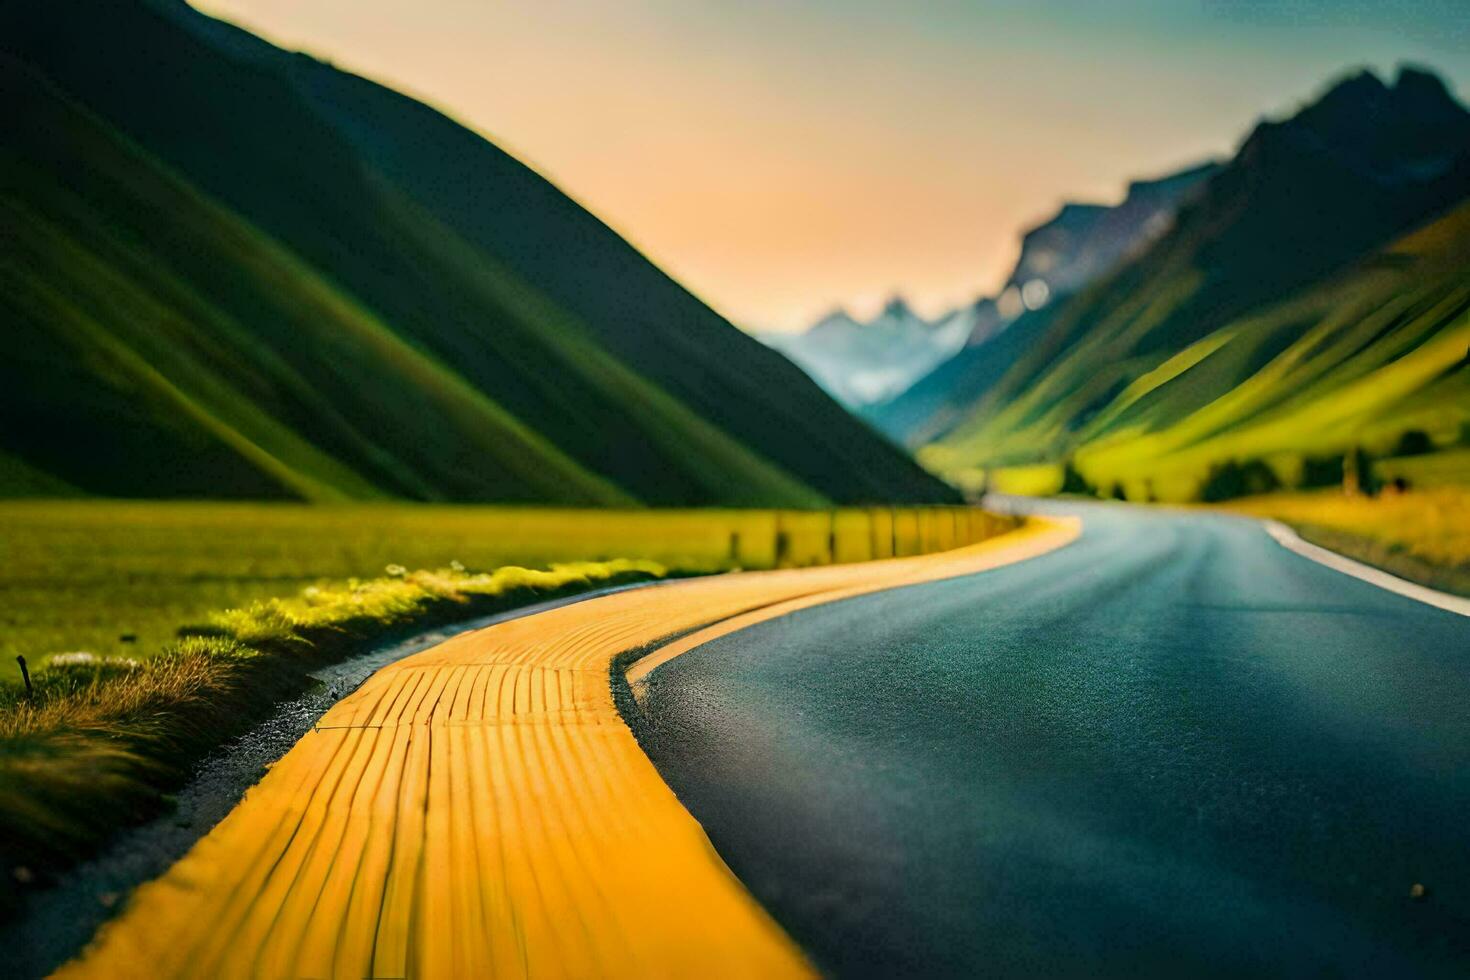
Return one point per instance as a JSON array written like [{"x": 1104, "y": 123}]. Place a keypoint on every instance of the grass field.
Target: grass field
[
  {"x": 179, "y": 625},
  {"x": 121, "y": 578},
  {"x": 83, "y": 576},
  {"x": 1422, "y": 535}
]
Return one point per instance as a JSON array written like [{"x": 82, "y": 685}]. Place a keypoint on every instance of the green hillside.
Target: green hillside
[
  {"x": 1357, "y": 362},
  {"x": 1274, "y": 320},
  {"x": 211, "y": 290}
]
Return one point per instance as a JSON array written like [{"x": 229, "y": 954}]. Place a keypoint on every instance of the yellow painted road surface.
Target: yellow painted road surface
[{"x": 481, "y": 810}]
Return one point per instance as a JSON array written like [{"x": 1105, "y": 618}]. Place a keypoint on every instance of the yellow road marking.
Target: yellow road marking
[{"x": 480, "y": 809}]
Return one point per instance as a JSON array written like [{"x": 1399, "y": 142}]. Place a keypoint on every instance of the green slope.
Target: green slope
[
  {"x": 220, "y": 296},
  {"x": 1384, "y": 353},
  {"x": 1255, "y": 327},
  {"x": 201, "y": 351},
  {"x": 631, "y": 307},
  {"x": 498, "y": 382},
  {"x": 1377, "y": 351}
]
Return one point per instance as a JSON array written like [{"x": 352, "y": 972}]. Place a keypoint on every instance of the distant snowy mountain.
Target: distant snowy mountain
[
  {"x": 860, "y": 363},
  {"x": 863, "y": 364},
  {"x": 1080, "y": 245}
]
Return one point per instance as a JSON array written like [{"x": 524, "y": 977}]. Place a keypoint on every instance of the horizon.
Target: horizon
[{"x": 764, "y": 157}]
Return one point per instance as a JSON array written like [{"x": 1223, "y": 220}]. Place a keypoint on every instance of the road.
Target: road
[{"x": 1172, "y": 748}]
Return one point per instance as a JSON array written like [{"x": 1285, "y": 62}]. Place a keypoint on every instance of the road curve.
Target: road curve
[
  {"x": 1173, "y": 748},
  {"x": 481, "y": 809}
]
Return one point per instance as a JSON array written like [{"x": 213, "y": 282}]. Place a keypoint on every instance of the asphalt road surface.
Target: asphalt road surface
[{"x": 1170, "y": 748}]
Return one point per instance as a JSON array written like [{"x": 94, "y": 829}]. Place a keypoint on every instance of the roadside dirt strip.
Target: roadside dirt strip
[{"x": 481, "y": 809}]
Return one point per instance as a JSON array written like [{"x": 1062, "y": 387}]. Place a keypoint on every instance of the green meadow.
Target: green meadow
[{"x": 121, "y": 578}]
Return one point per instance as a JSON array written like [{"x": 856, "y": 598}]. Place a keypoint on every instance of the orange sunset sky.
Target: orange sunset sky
[{"x": 781, "y": 158}]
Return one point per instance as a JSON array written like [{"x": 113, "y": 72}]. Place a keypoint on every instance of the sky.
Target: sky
[{"x": 784, "y": 157}]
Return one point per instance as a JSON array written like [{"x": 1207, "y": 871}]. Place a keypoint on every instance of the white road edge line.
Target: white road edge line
[{"x": 1292, "y": 541}]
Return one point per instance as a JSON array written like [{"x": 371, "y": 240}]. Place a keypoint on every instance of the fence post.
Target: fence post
[{"x": 25, "y": 676}]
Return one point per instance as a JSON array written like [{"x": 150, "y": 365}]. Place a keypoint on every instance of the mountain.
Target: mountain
[
  {"x": 862, "y": 362},
  {"x": 1084, "y": 242},
  {"x": 1377, "y": 357},
  {"x": 233, "y": 271},
  {"x": 1290, "y": 244},
  {"x": 1078, "y": 245},
  {"x": 869, "y": 364}
]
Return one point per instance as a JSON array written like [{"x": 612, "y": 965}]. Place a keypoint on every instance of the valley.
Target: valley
[{"x": 403, "y": 575}]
